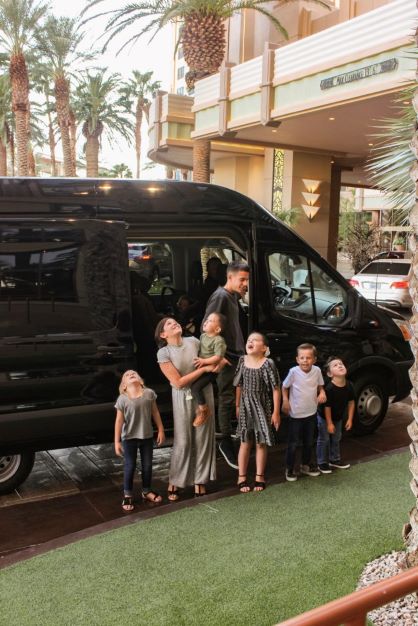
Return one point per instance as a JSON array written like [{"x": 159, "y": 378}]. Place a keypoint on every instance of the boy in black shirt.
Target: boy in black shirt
[{"x": 340, "y": 401}]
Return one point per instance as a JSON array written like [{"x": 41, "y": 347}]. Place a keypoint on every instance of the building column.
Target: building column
[{"x": 304, "y": 173}]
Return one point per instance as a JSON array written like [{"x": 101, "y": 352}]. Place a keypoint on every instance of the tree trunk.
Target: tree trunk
[
  {"x": 12, "y": 151},
  {"x": 169, "y": 172},
  {"x": 62, "y": 100},
  {"x": 138, "y": 138},
  {"x": 201, "y": 160},
  {"x": 31, "y": 162},
  {"x": 73, "y": 140},
  {"x": 20, "y": 99},
  {"x": 411, "y": 529},
  {"x": 92, "y": 156},
  {"x": 3, "y": 159},
  {"x": 52, "y": 145}
]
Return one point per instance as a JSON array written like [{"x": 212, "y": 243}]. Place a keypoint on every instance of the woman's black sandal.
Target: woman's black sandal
[
  {"x": 128, "y": 501},
  {"x": 243, "y": 486},
  {"x": 259, "y": 485},
  {"x": 201, "y": 491},
  {"x": 173, "y": 493}
]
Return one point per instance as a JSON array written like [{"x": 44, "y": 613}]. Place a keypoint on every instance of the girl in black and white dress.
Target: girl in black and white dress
[{"x": 258, "y": 408}]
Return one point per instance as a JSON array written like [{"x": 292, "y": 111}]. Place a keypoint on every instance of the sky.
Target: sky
[{"x": 143, "y": 56}]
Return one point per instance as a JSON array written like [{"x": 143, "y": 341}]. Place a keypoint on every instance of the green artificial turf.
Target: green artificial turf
[{"x": 249, "y": 559}]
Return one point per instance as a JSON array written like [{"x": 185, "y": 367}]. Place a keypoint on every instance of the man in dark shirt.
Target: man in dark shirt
[{"x": 225, "y": 300}]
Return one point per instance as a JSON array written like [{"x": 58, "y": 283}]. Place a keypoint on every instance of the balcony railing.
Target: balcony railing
[{"x": 352, "y": 610}]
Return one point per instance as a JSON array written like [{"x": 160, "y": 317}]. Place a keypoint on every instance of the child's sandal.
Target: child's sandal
[
  {"x": 243, "y": 486},
  {"x": 259, "y": 485},
  {"x": 128, "y": 504},
  {"x": 152, "y": 496}
]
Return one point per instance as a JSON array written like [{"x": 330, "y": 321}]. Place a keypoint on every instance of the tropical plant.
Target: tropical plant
[
  {"x": 202, "y": 36},
  {"x": 136, "y": 91},
  {"x": 120, "y": 170},
  {"x": 361, "y": 242},
  {"x": 100, "y": 110},
  {"x": 18, "y": 21},
  {"x": 5, "y": 120},
  {"x": 59, "y": 42},
  {"x": 42, "y": 85},
  {"x": 394, "y": 168},
  {"x": 290, "y": 217}
]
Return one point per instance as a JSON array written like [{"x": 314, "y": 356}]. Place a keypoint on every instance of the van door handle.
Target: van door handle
[
  {"x": 277, "y": 336},
  {"x": 110, "y": 348}
]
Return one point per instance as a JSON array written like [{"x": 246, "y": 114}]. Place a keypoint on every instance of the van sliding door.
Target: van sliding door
[{"x": 65, "y": 322}]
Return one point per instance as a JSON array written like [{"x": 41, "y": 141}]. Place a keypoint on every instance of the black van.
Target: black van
[{"x": 68, "y": 321}]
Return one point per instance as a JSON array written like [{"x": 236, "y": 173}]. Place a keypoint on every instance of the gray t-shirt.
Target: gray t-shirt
[
  {"x": 180, "y": 356},
  {"x": 303, "y": 390},
  {"x": 137, "y": 414}
]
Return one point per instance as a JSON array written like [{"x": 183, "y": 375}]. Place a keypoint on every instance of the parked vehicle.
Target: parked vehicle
[
  {"x": 385, "y": 281},
  {"x": 152, "y": 260},
  {"x": 66, "y": 331}
]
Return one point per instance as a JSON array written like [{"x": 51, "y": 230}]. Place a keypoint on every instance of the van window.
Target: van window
[
  {"x": 46, "y": 283},
  {"x": 302, "y": 290},
  {"x": 153, "y": 260}
]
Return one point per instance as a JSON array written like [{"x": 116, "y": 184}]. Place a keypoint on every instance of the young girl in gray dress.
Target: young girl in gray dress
[
  {"x": 258, "y": 407},
  {"x": 193, "y": 458},
  {"x": 135, "y": 407}
]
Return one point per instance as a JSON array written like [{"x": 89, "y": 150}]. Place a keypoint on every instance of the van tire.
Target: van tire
[
  {"x": 371, "y": 403},
  {"x": 14, "y": 469}
]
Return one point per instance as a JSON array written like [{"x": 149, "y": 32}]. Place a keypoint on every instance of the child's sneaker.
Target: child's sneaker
[
  {"x": 339, "y": 464},
  {"x": 324, "y": 468},
  {"x": 309, "y": 470},
  {"x": 291, "y": 476}
]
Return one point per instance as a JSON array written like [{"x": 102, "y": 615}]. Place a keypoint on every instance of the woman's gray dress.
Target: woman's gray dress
[{"x": 193, "y": 456}]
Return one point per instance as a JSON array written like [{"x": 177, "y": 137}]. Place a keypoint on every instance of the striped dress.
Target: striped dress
[{"x": 256, "y": 405}]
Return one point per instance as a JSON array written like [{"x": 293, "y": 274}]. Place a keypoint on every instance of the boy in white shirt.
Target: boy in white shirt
[{"x": 303, "y": 390}]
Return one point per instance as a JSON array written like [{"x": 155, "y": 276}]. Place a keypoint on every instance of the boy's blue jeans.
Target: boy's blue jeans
[
  {"x": 130, "y": 451},
  {"x": 304, "y": 428},
  {"x": 328, "y": 446}
]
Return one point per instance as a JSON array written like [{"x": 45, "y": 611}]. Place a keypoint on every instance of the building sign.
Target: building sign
[{"x": 370, "y": 70}]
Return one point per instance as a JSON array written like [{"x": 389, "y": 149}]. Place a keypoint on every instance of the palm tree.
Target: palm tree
[
  {"x": 5, "y": 120},
  {"x": 18, "y": 21},
  {"x": 138, "y": 87},
  {"x": 42, "y": 85},
  {"x": 394, "y": 168},
  {"x": 58, "y": 41},
  {"x": 202, "y": 37},
  {"x": 100, "y": 109},
  {"x": 120, "y": 170}
]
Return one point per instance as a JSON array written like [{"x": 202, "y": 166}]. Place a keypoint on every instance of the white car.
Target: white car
[{"x": 385, "y": 281}]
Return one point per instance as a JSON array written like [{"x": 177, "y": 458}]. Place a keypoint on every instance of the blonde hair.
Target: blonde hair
[{"x": 123, "y": 386}]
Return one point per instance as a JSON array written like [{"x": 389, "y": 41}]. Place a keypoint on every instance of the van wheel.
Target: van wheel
[
  {"x": 371, "y": 404},
  {"x": 14, "y": 469}
]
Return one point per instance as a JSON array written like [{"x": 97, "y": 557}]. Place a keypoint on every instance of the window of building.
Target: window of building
[
  {"x": 180, "y": 53},
  {"x": 180, "y": 72},
  {"x": 180, "y": 91}
]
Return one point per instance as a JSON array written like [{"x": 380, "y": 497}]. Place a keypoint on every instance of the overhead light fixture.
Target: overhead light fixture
[
  {"x": 311, "y": 198},
  {"x": 331, "y": 119},
  {"x": 371, "y": 144},
  {"x": 274, "y": 130}
]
